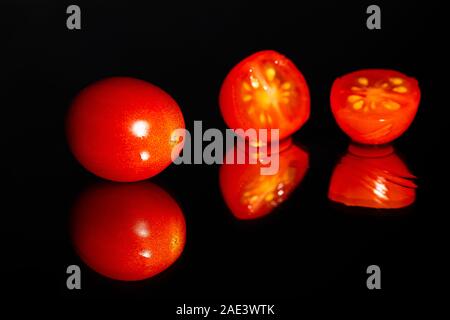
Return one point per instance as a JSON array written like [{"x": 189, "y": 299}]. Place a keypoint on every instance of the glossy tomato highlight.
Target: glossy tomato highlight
[
  {"x": 128, "y": 232},
  {"x": 123, "y": 129},
  {"x": 265, "y": 91},
  {"x": 374, "y": 106}
]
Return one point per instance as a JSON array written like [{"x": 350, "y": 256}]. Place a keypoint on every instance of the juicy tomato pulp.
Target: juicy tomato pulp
[
  {"x": 122, "y": 129},
  {"x": 374, "y": 106},
  {"x": 265, "y": 91},
  {"x": 373, "y": 178},
  {"x": 128, "y": 232},
  {"x": 250, "y": 195}
]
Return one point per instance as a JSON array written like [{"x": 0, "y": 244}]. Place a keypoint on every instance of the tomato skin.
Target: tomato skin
[
  {"x": 382, "y": 126},
  {"x": 245, "y": 190},
  {"x": 127, "y": 232},
  {"x": 236, "y": 115},
  {"x": 372, "y": 178},
  {"x": 121, "y": 129}
]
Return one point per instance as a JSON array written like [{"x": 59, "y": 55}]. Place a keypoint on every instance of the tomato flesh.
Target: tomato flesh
[
  {"x": 128, "y": 231},
  {"x": 122, "y": 129},
  {"x": 374, "y": 106},
  {"x": 265, "y": 91}
]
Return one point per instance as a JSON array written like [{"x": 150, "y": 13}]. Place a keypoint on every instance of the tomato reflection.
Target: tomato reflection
[
  {"x": 373, "y": 177},
  {"x": 128, "y": 232},
  {"x": 251, "y": 195}
]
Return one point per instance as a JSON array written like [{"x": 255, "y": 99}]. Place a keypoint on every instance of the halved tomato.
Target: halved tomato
[
  {"x": 265, "y": 91},
  {"x": 374, "y": 106}
]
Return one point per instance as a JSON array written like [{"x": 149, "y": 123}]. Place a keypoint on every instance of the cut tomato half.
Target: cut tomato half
[
  {"x": 265, "y": 91},
  {"x": 374, "y": 106}
]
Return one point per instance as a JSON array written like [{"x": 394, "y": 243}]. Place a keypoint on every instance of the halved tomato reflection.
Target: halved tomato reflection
[
  {"x": 373, "y": 177},
  {"x": 128, "y": 232},
  {"x": 251, "y": 195}
]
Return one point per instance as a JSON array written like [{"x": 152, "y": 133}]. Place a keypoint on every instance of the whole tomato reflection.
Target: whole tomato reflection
[
  {"x": 251, "y": 195},
  {"x": 128, "y": 232},
  {"x": 372, "y": 177}
]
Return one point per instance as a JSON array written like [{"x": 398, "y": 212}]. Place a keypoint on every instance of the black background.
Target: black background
[{"x": 308, "y": 247}]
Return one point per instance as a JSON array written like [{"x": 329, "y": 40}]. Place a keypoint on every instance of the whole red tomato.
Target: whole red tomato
[
  {"x": 374, "y": 106},
  {"x": 128, "y": 232},
  {"x": 265, "y": 91},
  {"x": 122, "y": 129}
]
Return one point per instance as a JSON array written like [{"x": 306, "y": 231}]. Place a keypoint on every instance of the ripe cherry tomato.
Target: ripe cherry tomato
[
  {"x": 373, "y": 178},
  {"x": 128, "y": 232},
  {"x": 122, "y": 129},
  {"x": 374, "y": 106},
  {"x": 250, "y": 195},
  {"x": 265, "y": 91}
]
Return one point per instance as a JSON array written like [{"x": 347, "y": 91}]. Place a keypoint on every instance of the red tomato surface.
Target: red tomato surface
[
  {"x": 128, "y": 232},
  {"x": 265, "y": 91},
  {"x": 250, "y": 195},
  {"x": 373, "y": 178},
  {"x": 121, "y": 129},
  {"x": 374, "y": 106}
]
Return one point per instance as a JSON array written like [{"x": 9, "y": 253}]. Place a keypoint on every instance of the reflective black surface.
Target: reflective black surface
[{"x": 308, "y": 246}]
